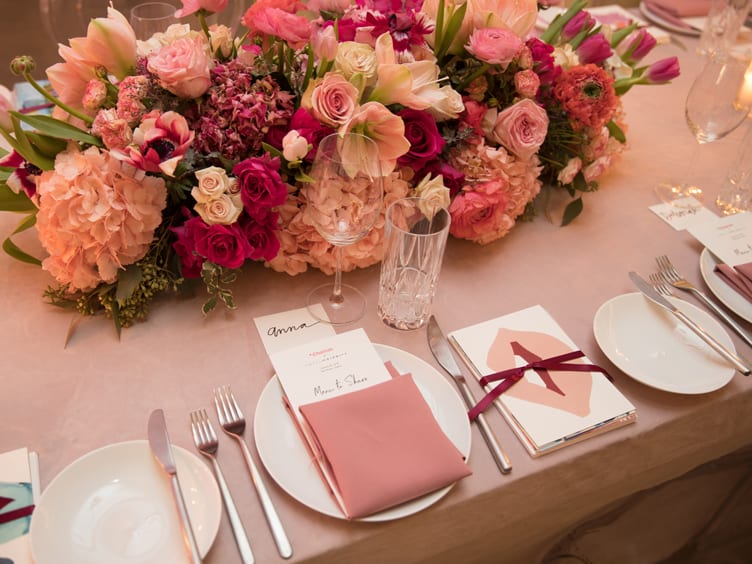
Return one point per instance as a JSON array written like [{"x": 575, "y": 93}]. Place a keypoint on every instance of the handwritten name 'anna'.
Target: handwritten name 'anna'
[{"x": 275, "y": 331}]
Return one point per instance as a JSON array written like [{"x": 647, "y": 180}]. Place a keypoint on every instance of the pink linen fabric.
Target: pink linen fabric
[
  {"x": 738, "y": 277},
  {"x": 681, "y": 8},
  {"x": 383, "y": 445}
]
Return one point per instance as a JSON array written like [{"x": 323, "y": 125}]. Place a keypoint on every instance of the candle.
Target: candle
[{"x": 744, "y": 97}]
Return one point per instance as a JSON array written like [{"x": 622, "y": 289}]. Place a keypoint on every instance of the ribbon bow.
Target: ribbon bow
[
  {"x": 9, "y": 516},
  {"x": 511, "y": 376}
]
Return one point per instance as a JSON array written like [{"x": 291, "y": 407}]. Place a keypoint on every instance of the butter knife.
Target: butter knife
[
  {"x": 652, "y": 294},
  {"x": 159, "y": 441},
  {"x": 441, "y": 350}
]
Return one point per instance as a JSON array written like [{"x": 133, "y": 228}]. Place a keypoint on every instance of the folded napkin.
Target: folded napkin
[
  {"x": 738, "y": 277},
  {"x": 383, "y": 446},
  {"x": 680, "y": 8}
]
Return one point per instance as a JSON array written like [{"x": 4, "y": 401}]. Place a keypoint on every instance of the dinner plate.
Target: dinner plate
[
  {"x": 658, "y": 20},
  {"x": 721, "y": 290},
  {"x": 285, "y": 457},
  {"x": 115, "y": 505},
  {"x": 649, "y": 344}
]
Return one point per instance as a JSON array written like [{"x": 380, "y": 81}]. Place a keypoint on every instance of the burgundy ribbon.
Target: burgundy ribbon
[
  {"x": 9, "y": 516},
  {"x": 511, "y": 376}
]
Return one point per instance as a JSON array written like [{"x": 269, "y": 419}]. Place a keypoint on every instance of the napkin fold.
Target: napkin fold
[
  {"x": 383, "y": 446},
  {"x": 680, "y": 8},
  {"x": 738, "y": 277}
]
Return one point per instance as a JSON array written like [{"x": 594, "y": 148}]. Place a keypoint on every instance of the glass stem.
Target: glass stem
[{"x": 337, "y": 297}]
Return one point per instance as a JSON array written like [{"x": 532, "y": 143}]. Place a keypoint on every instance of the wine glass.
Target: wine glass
[
  {"x": 344, "y": 200},
  {"x": 149, "y": 18},
  {"x": 713, "y": 109}
]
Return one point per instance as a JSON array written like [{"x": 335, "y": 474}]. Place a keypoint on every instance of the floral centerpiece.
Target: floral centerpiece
[{"x": 186, "y": 154}]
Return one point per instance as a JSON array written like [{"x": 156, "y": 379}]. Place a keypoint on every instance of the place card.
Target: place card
[
  {"x": 287, "y": 329},
  {"x": 683, "y": 213},
  {"x": 19, "y": 489},
  {"x": 328, "y": 367},
  {"x": 729, "y": 238}
]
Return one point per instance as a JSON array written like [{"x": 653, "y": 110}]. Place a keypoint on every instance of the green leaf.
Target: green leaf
[
  {"x": 209, "y": 306},
  {"x": 12, "y": 202},
  {"x": 128, "y": 281},
  {"x": 13, "y": 250},
  {"x": 573, "y": 209},
  {"x": 116, "y": 318},
  {"x": 58, "y": 129},
  {"x": 48, "y": 146},
  {"x": 23, "y": 146},
  {"x": 616, "y": 132}
]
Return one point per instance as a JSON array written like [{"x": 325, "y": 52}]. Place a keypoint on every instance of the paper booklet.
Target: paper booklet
[
  {"x": 19, "y": 489},
  {"x": 549, "y": 409}
]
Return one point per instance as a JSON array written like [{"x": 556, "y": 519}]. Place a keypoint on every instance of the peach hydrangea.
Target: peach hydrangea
[{"x": 96, "y": 215}]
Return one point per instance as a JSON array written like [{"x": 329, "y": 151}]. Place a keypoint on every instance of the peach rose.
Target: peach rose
[
  {"x": 182, "y": 67},
  {"x": 333, "y": 100},
  {"x": 223, "y": 210},
  {"x": 521, "y": 128},
  {"x": 213, "y": 182}
]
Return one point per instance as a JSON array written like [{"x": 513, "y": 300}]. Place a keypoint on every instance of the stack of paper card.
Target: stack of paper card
[
  {"x": 546, "y": 413},
  {"x": 19, "y": 488}
]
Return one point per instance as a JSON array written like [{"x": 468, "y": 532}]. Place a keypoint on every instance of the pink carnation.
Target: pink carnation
[{"x": 96, "y": 215}]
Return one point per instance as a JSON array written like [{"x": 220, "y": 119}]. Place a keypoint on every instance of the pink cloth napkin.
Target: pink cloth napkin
[
  {"x": 681, "y": 8},
  {"x": 383, "y": 446},
  {"x": 738, "y": 277}
]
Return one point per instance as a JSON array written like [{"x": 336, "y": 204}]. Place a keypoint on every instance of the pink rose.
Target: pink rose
[
  {"x": 333, "y": 100},
  {"x": 494, "y": 46},
  {"x": 479, "y": 214},
  {"x": 261, "y": 187},
  {"x": 521, "y": 128},
  {"x": 182, "y": 67},
  {"x": 526, "y": 83},
  {"x": 193, "y": 6}
]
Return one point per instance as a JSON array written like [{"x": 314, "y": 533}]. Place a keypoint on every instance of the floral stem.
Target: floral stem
[
  {"x": 480, "y": 71},
  {"x": 203, "y": 24},
  {"x": 83, "y": 117}
]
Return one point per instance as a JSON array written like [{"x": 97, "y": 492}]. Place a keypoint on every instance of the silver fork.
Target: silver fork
[
  {"x": 206, "y": 442},
  {"x": 232, "y": 420},
  {"x": 672, "y": 276}
]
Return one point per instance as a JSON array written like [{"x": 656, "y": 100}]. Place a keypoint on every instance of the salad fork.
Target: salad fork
[
  {"x": 232, "y": 420},
  {"x": 206, "y": 442},
  {"x": 672, "y": 276}
]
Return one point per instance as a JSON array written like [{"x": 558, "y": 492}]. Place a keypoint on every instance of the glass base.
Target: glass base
[
  {"x": 346, "y": 308},
  {"x": 674, "y": 194}
]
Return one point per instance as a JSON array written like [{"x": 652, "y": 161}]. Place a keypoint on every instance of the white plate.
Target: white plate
[
  {"x": 658, "y": 20},
  {"x": 284, "y": 455},
  {"x": 115, "y": 505},
  {"x": 649, "y": 344},
  {"x": 725, "y": 293}
]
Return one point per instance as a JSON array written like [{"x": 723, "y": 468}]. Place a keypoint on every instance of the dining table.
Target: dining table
[{"x": 70, "y": 384}]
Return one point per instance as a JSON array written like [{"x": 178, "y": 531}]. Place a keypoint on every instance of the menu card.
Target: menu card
[
  {"x": 547, "y": 409},
  {"x": 19, "y": 488},
  {"x": 729, "y": 238}
]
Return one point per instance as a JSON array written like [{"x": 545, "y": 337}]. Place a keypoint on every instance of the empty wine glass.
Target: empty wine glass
[
  {"x": 344, "y": 200},
  {"x": 713, "y": 109},
  {"x": 149, "y": 18}
]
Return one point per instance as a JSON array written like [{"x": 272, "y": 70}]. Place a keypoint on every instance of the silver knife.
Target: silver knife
[
  {"x": 159, "y": 441},
  {"x": 442, "y": 352},
  {"x": 652, "y": 294}
]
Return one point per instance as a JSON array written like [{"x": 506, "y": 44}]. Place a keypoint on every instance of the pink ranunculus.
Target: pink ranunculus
[
  {"x": 294, "y": 29},
  {"x": 526, "y": 83},
  {"x": 261, "y": 187},
  {"x": 479, "y": 213},
  {"x": 333, "y": 100},
  {"x": 96, "y": 215},
  {"x": 521, "y": 128},
  {"x": 374, "y": 120},
  {"x": 159, "y": 143},
  {"x": 494, "y": 46},
  {"x": 183, "y": 66},
  {"x": 224, "y": 245},
  {"x": 193, "y": 6},
  {"x": 423, "y": 135}
]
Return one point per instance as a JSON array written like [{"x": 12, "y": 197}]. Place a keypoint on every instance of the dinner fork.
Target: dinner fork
[
  {"x": 206, "y": 442},
  {"x": 672, "y": 276},
  {"x": 232, "y": 420}
]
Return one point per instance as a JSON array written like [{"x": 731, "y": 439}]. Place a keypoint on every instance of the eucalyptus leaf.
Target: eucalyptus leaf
[{"x": 573, "y": 209}]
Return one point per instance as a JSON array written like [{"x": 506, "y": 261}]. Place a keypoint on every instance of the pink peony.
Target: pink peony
[
  {"x": 494, "y": 46},
  {"x": 183, "y": 66},
  {"x": 96, "y": 215},
  {"x": 193, "y": 6},
  {"x": 521, "y": 128}
]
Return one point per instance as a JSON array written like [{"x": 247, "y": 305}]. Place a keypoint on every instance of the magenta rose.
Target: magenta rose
[
  {"x": 224, "y": 245},
  {"x": 521, "y": 128},
  {"x": 261, "y": 187},
  {"x": 425, "y": 140},
  {"x": 261, "y": 237},
  {"x": 185, "y": 246}
]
